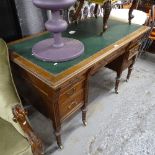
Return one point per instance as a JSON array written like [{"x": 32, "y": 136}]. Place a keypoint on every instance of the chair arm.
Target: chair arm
[{"x": 20, "y": 116}]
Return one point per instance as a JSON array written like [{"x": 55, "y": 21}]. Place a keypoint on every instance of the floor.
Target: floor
[{"x": 122, "y": 124}]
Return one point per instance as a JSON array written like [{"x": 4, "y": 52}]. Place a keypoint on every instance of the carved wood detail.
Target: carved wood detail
[
  {"x": 107, "y": 7},
  {"x": 20, "y": 116}
]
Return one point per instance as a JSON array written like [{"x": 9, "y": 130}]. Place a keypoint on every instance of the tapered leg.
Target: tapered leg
[
  {"x": 95, "y": 10},
  {"x": 58, "y": 137},
  {"x": 130, "y": 68},
  {"x": 133, "y": 6},
  {"x": 106, "y": 13},
  {"x": 84, "y": 111},
  {"x": 77, "y": 13},
  {"x": 84, "y": 108},
  {"x": 54, "y": 114},
  {"x": 117, "y": 81},
  {"x": 129, "y": 72}
]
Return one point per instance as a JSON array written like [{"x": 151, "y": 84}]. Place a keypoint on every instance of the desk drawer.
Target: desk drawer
[
  {"x": 133, "y": 51},
  {"x": 97, "y": 66},
  {"x": 67, "y": 93},
  {"x": 70, "y": 83},
  {"x": 115, "y": 55},
  {"x": 72, "y": 104},
  {"x": 135, "y": 42}
]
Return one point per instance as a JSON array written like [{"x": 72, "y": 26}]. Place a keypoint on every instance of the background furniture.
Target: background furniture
[
  {"x": 145, "y": 5},
  {"x": 16, "y": 134},
  {"x": 139, "y": 18},
  {"x": 130, "y": 12},
  {"x": 106, "y": 4},
  {"x": 149, "y": 42},
  {"x": 150, "y": 45},
  {"x": 9, "y": 25},
  {"x": 59, "y": 89}
]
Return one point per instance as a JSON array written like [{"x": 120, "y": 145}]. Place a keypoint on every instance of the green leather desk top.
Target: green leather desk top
[{"x": 86, "y": 31}]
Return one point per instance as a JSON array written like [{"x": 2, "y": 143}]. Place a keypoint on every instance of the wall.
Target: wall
[{"x": 31, "y": 18}]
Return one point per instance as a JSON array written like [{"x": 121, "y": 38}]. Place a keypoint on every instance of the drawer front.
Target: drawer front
[
  {"x": 97, "y": 66},
  {"x": 71, "y": 105},
  {"x": 135, "y": 42},
  {"x": 115, "y": 55},
  {"x": 69, "y": 84},
  {"x": 72, "y": 91},
  {"x": 133, "y": 51}
]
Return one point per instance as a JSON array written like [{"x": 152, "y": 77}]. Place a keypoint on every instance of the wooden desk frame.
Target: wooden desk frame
[{"x": 59, "y": 96}]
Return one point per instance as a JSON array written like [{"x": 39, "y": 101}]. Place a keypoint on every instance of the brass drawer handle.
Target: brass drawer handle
[
  {"x": 74, "y": 103},
  {"x": 135, "y": 47},
  {"x": 71, "y": 92}
]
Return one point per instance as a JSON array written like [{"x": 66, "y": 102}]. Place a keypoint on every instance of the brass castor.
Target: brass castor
[
  {"x": 116, "y": 91},
  {"x": 61, "y": 147},
  {"x": 85, "y": 123}
]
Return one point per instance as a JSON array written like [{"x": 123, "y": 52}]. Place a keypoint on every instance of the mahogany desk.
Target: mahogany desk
[{"x": 58, "y": 90}]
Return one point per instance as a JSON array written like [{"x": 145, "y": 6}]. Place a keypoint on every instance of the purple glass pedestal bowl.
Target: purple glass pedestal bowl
[{"x": 58, "y": 48}]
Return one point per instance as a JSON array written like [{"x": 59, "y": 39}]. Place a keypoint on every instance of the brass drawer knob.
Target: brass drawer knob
[
  {"x": 71, "y": 92},
  {"x": 74, "y": 103}
]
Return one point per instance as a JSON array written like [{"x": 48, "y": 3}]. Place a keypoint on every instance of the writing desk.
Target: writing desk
[{"x": 58, "y": 90}]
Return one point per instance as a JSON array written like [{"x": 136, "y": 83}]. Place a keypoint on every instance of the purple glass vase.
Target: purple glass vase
[{"x": 58, "y": 48}]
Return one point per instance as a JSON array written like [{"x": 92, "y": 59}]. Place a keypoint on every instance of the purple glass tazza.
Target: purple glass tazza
[{"x": 56, "y": 49}]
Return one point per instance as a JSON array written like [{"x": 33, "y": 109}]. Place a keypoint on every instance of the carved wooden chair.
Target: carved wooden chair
[
  {"x": 16, "y": 134},
  {"x": 150, "y": 38},
  {"x": 106, "y": 4}
]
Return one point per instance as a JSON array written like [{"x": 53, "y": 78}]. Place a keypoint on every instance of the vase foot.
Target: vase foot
[{"x": 44, "y": 50}]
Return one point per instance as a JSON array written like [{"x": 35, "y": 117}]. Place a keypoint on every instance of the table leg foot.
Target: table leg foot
[
  {"x": 61, "y": 147},
  {"x": 116, "y": 85},
  {"x": 117, "y": 82},
  {"x": 58, "y": 139},
  {"x": 116, "y": 91},
  {"x": 129, "y": 72},
  {"x": 85, "y": 123},
  {"x": 84, "y": 111}
]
